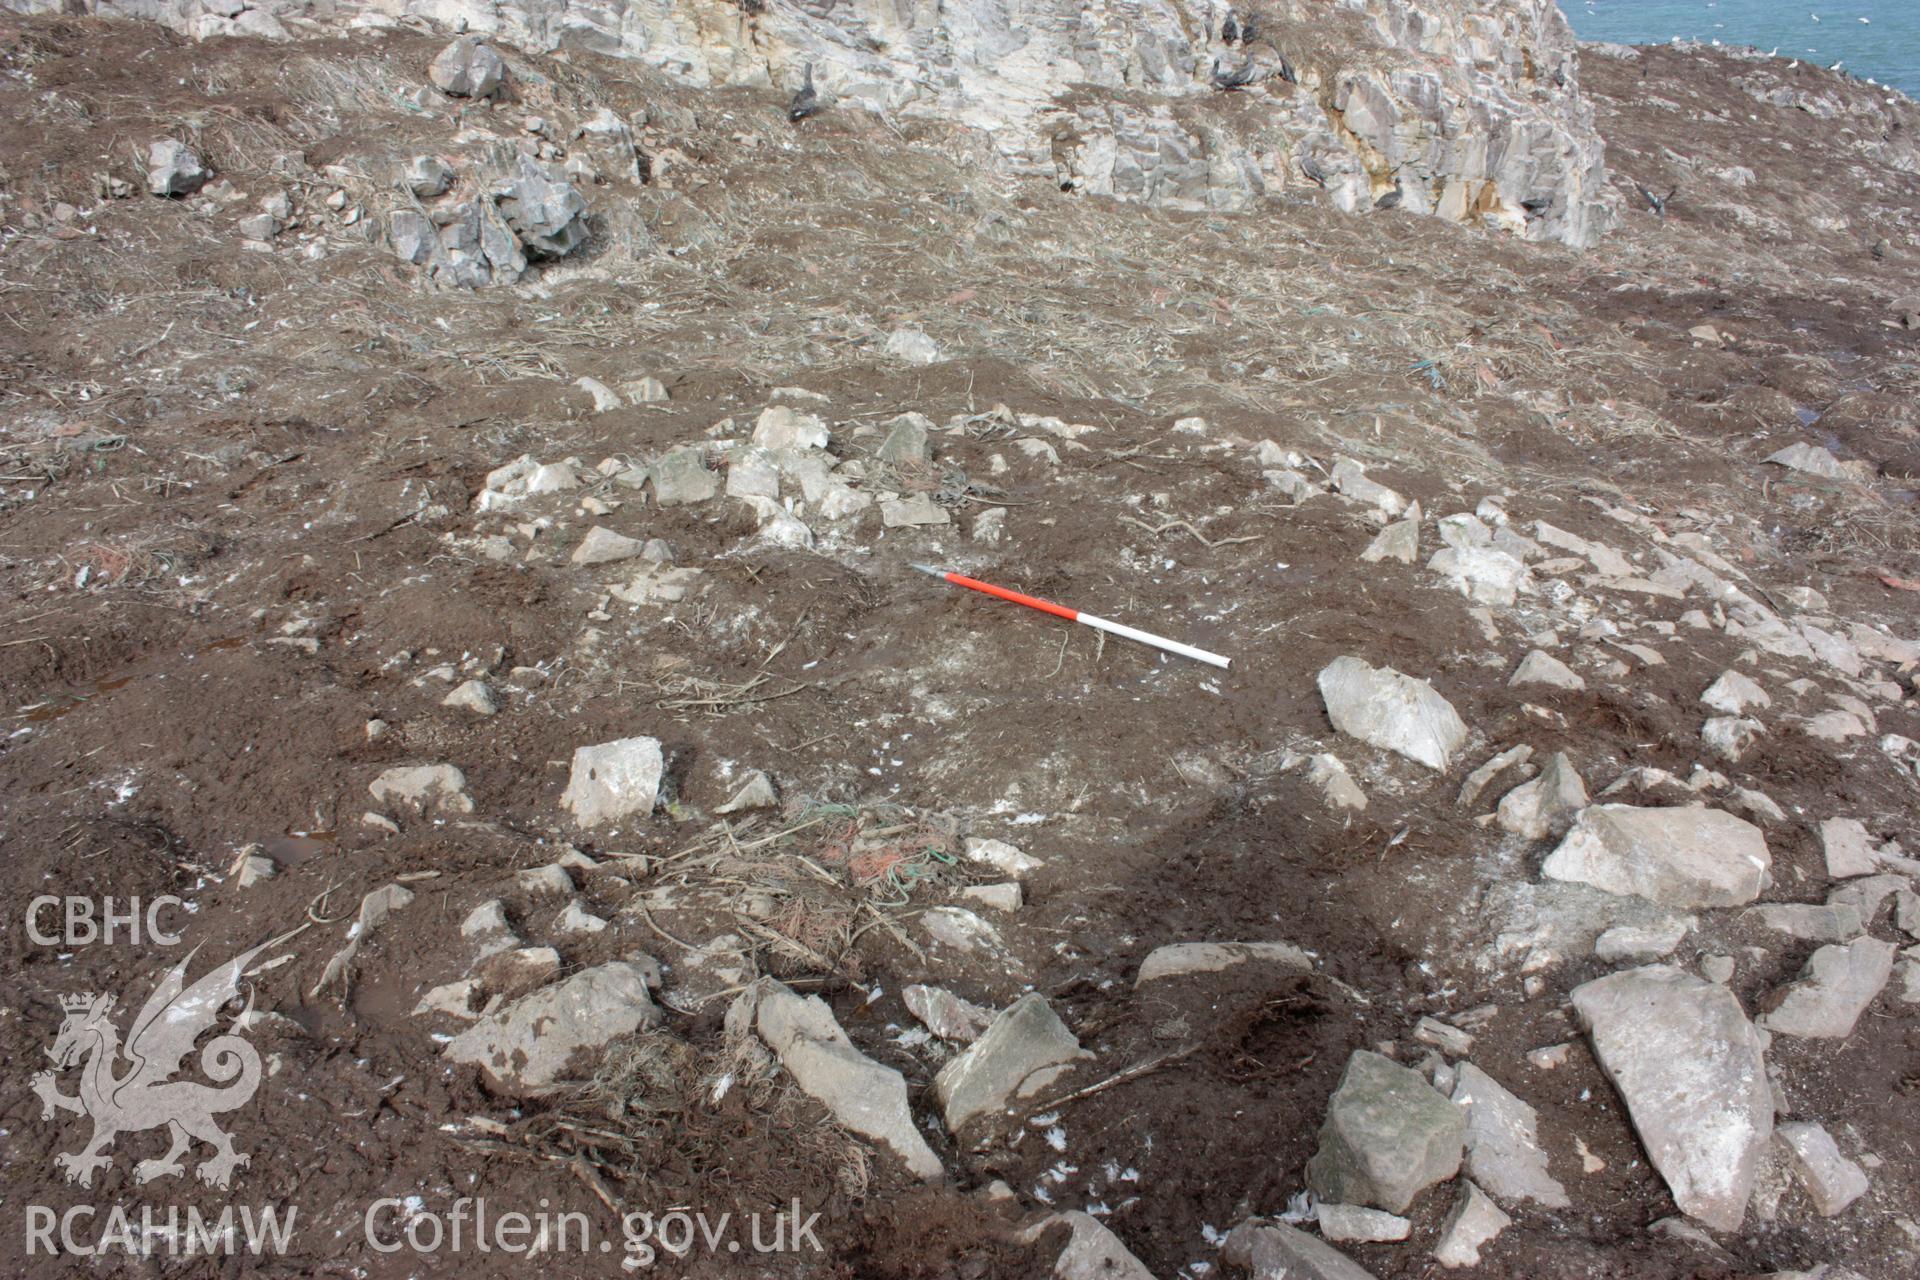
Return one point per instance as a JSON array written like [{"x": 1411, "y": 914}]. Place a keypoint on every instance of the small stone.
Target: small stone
[
  {"x": 1811, "y": 922},
  {"x": 1330, "y": 775},
  {"x": 1448, "y": 1039},
  {"x": 1001, "y": 856},
  {"x": 472, "y": 696},
  {"x": 175, "y": 169},
  {"x": 1271, "y": 1250},
  {"x": 1536, "y": 809},
  {"x": 1477, "y": 781},
  {"x": 1539, "y": 667},
  {"x": 906, "y": 443},
  {"x": 1730, "y": 737},
  {"x": 990, "y": 525},
  {"x": 919, "y": 509},
  {"x": 913, "y": 346},
  {"x": 1733, "y": 694},
  {"x": 1643, "y": 944},
  {"x": 1832, "y": 1181},
  {"x": 1387, "y": 1137},
  {"x": 1000, "y": 897},
  {"x": 1350, "y": 478},
  {"x": 1342, "y": 1223},
  {"x": 1482, "y": 574},
  {"x": 647, "y": 390},
  {"x": 554, "y": 477},
  {"x": 604, "y": 546},
  {"x": 467, "y": 69},
  {"x": 946, "y": 1014},
  {"x": 681, "y": 477},
  {"x": 1717, "y": 968},
  {"x": 1849, "y": 849},
  {"x": 255, "y": 868},
  {"x": 576, "y": 919},
  {"x": 424, "y": 788},
  {"x": 959, "y": 928},
  {"x": 377, "y": 729},
  {"x": 780, "y": 427},
  {"x": 1472, "y": 1225},
  {"x": 1025, "y": 1050},
  {"x": 1180, "y": 959},
  {"x": 755, "y": 792},
  {"x": 1832, "y": 991},
  {"x": 260, "y": 226},
  {"x": 1398, "y": 541},
  {"x": 614, "y": 780},
  {"x": 427, "y": 177},
  {"x": 550, "y": 878},
  {"x": 605, "y": 398},
  {"x": 1549, "y": 1057}
]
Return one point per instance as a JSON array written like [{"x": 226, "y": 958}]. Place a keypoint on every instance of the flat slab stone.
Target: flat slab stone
[
  {"x": 1833, "y": 1182},
  {"x": 1092, "y": 1252},
  {"x": 863, "y": 1095},
  {"x": 527, "y": 1046},
  {"x": 1690, "y": 856},
  {"x": 1831, "y": 993},
  {"x": 1275, "y": 1251},
  {"x": 1181, "y": 958},
  {"x": 1690, "y": 1068},
  {"x": 1504, "y": 1154},
  {"x": 614, "y": 780},
  {"x": 1395, "y": 712},
  {"x": 1026, "y": 1049}
]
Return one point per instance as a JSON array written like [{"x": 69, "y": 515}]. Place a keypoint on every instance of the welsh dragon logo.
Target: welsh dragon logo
[{"x": 140, "y": 1097}]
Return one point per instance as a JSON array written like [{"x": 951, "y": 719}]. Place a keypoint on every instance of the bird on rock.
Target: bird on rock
[{"x": 805, "y": 102}]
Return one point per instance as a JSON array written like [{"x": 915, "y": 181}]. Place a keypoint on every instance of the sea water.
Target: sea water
[{"x": 1868, "y": 38}]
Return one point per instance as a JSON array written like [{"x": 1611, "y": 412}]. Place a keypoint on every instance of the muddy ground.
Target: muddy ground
[{"x": 237, "y": 524}]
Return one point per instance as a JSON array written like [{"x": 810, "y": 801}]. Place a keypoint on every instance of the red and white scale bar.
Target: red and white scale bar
[{"x": 1074, "y": 615}]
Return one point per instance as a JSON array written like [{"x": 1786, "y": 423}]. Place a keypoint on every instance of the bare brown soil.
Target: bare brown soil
[{"x": 242, "y": 449}]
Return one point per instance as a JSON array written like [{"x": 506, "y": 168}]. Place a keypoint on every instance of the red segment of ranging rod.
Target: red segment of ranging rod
[{"x": 1074, "y": 615}]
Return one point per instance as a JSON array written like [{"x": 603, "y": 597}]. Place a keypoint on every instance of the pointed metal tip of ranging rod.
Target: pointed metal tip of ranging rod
[{"x": 929, "y": 570}]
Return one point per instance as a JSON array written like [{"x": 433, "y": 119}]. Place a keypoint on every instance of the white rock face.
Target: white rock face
[
  {"x": 614, "y": 780},
  {"x": 1470, "y": 109},
  {"x": 1384, "y": 708},
  {"x": 1690, "y": 1068},
  {"x": 1679, "y": 857}
]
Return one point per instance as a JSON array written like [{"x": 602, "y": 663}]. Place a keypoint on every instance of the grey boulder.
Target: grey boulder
[
  {"x": 467, "y": 69},
  {"x": 1388, "y": 1136}
]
